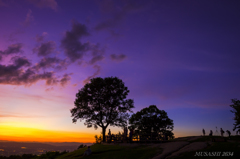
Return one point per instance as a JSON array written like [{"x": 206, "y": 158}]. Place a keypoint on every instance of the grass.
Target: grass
[{"x": 114, "y": 152}]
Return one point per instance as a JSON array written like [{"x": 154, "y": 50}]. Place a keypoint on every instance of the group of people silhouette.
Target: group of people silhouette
[
  {"x": 221, "y": 131},
  {"x": 125, "y": 134}
]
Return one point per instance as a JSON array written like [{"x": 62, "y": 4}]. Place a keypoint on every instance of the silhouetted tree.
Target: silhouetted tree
[
  {"x": 236, "y": 111},
  {"x": 151, "y": 119},
  {"x": 102, "y": 102}
]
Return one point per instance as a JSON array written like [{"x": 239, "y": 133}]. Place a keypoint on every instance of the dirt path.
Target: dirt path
[
  {"x": 169, "y": 148},
  {"x": 173, "y": 149},
  {"x": 191, "y": 147}
]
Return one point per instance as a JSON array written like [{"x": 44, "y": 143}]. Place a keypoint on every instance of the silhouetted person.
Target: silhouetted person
[
  {"x": 130, "y": 135},
  {"x": 125, "y": 131},
  {"x": 222, "y": 132},
  {"x": 203, "y": 131},
  {"x": 110, "y": 135},
  {"x": 210, "y": 133},
  {"x": 229, "y": 133},
  {"x": 87, "y": 152}
]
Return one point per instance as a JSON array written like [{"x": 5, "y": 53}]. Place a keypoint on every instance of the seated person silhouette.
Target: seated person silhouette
[{"x": 87, "y": 152}]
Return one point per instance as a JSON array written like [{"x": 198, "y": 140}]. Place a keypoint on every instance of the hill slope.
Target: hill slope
[{"x": 179, "y": 148}]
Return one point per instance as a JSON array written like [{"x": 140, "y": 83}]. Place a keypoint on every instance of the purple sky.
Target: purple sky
[{"x": 182, "y": 56}]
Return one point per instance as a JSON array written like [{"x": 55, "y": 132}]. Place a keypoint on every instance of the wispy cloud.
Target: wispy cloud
[
  {"x": 51, "y": 62},
  {"x": 29, "y": 18},
  {"x": 65, "y": 79},
  {"x": 40, "y": 38},
  {"x": 12, "y": 49},
  {"x": 98, "y": 69},
  {"x": 45, "y": 49},
  {"x": 118, "y": 12},
  {"x": 45, "y": 4},
  {"x": 118, "y": 58}
]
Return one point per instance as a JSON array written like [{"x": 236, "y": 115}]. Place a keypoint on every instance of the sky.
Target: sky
[{"x": 182, "y": 56}]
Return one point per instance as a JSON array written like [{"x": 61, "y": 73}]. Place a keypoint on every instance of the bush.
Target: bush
[
  {"x": 82, "y": 146},
  {"x": 99, "y": 139}
]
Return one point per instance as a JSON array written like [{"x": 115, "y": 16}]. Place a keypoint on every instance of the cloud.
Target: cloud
[
  {"x": 45, "y": 4},
  {"x": 45, "y": 48},
  {"x": 20, "y": 61},
  {"x": 97, "y": 53},
  {"x": 96, "y": 59},
  {"x": 21, "y": 71},
  {"x": 29, "y": 18},
  {"x": 51, "y": 62},
  {"x": 73, "y": 48},
  {"x": 40, "y": 38},
  {"x": 74, "y": 85},
  {"x": 109, "y": 23},
  {"x": 118, "y": 58},
  {"x": 12, "y": 49},
  {"x": 118, "y": 12},
  {"x": 49, "y": 89},
  {"x": 66, "y": 78},
  {"x": 98, "y": 69},
  {"x": 15, "y": 74}
]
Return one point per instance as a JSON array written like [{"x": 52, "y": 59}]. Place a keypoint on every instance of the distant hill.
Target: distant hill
[{"x": 67, "y": 143}]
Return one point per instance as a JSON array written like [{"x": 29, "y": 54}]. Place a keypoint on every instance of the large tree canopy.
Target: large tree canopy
[
  {"x": 236, "y": 111},
  {"x": 103, "y": 102},
  {"x": 151, "y": 119}
]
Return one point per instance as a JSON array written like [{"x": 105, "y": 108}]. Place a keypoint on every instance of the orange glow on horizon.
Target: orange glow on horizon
[{"x": 22, "y": 134}]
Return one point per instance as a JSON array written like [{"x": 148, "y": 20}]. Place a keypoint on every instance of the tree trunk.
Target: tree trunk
[{"x": 103, "y": 133}]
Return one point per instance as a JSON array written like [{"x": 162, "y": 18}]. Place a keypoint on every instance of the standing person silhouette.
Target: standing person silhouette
[
  {"x": 222, "y": 132},
  {"x": 203, "y": 131},
  {"x": 130, "y": 135},
  {"x": 110, "y": 135},
  {"x": 210, "y": 133},
  {"x": 229, "y": 133}
]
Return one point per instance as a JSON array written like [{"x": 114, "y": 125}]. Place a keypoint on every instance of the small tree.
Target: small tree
[
  {"x": 102, "y": 102},
  {"x": 236, "y": 111},
  {"x": 151, "y": 119}
]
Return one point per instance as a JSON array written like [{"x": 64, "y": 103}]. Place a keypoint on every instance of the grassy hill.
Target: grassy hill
[
  {"x": 147, "y": 151},
  {"x": 101, "y": 151}
]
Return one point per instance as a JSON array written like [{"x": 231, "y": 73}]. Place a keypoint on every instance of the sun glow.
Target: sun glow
[{"x": 12, "y": 133}]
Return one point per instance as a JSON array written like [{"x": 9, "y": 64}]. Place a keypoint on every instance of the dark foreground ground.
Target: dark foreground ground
[{"x": 183, "y": 148}]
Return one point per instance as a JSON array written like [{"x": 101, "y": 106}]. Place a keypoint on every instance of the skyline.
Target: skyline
[{"x": 180, "y": 56}]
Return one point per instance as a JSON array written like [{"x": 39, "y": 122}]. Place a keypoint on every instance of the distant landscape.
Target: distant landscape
[{"x": 8, "y": 148}]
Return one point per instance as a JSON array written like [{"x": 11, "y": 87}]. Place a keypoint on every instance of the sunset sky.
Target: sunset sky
[{"x": 182, "y": 56}]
